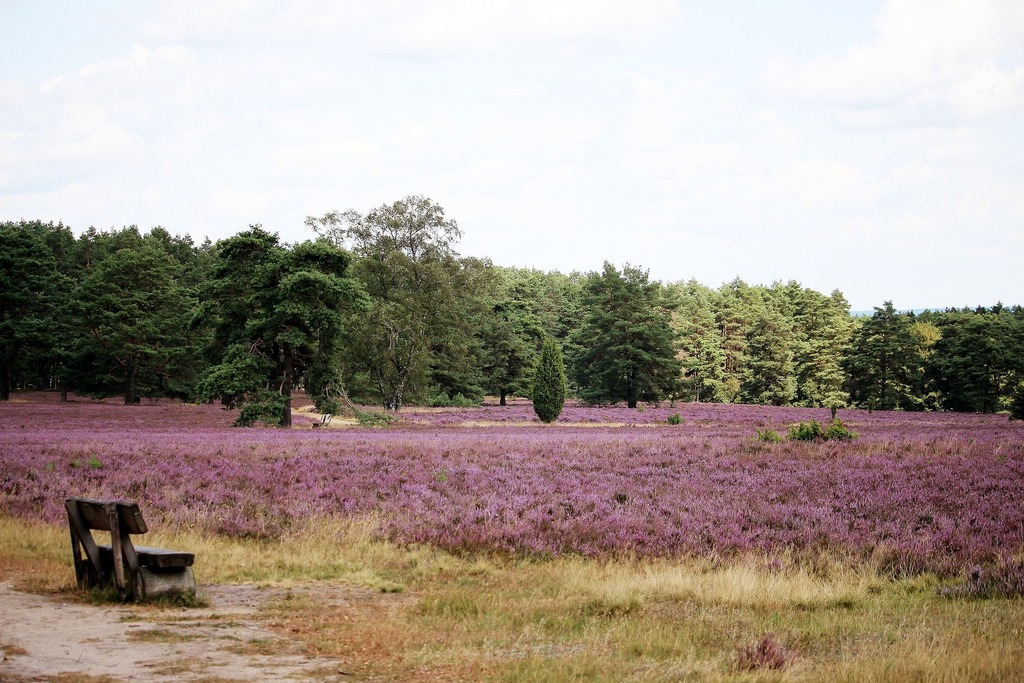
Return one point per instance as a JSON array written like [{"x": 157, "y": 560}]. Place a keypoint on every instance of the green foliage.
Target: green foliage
[
  {"x": 416, "y": 327},
  {"x": 675, "y": 419},
  {"x": 974, "y": 359},
  {"x": 837, "y": 431},
  {"x": 813, "y": 431},
  {"x": 118, "y": 312},
  {"x": 737, "y": 304},
  {"x": 93, "y": 463},
  {"x": 31, "y": 282},
  {"x": 265, "y": 407},
  {"x": 132, "y": 308},
  {"x": 700, "y": 343},
  {"x": 509, "y": 332},
  {"x": 767, "y": 435},
  {"x": 1017, "y": 403},
  {"x": 278, "y": 314},
  {"x": 884, "y": 363},
  {"x": 806, "y": 431},
  {"x": 456, "y": 401},
  {"x": 624, "y": 350},
  {"x": 236, "y": 380},
  {"x": 821, "y": 328},
  {"x": 372, "y": 418},
  {"x": 549, "y": 383},
  {"x": 768, "y": 376}
]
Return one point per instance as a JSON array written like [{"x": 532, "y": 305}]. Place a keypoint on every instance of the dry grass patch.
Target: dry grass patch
[
  {"x": 35, "y": 556},
  {"x": 409, "y": 614},
  {"x": 160, "y": 635},
  {"x": 742, "y": 585}
]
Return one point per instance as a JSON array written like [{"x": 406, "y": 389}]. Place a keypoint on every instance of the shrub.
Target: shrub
[
  {"x": 269, "y": 411},
  {"x": 549, "y": 383},
  {"x": 768, "y": 436},
  {"x": 768, "y": 653},
  {"x": 1005, "y": 580},
  {"x": 456, "y": 401},
  {"x": 813, "y": 431},
  {"x": 806, "y": 431},
  {"x": 373, "y": 418},
  {"x": 675, "y": 419},
  {"x": 1017, "y": 403},
  {"x": 837, "y": 431}
]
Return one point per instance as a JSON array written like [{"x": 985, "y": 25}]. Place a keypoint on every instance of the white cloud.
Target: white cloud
[
  {"x": 653, "y": 122},
  {"x": 962, "y": 58},
  {"x": 988, "y": 91},
  {"x": 547, "y": 123},
  {"x": 441, "y": 27}
]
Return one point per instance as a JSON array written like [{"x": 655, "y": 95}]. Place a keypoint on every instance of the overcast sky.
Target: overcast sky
[{"x": 872, "y": 147}]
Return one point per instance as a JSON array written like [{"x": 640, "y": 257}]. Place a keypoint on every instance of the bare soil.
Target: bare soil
[{"x": 51, "y": 638}]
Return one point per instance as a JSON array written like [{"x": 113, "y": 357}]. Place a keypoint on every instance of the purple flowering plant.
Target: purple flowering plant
[{"x": 917, "y": 491}]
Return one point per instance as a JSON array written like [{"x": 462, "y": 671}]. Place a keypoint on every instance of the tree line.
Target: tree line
[{"x": 380, "y": 308}]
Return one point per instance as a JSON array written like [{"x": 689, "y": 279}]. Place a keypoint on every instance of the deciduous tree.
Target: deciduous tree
[{"x": 408, "y": 266}]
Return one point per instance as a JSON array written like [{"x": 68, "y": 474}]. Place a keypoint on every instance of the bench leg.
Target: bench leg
[
  {"x": 150, "y": 584},
  {"x": 116, "y": 551}
]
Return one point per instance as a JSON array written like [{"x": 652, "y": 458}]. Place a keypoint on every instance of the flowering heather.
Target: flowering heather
[
  {"x": 768, "y": 653},
  {"x": 919, "y": 492}
]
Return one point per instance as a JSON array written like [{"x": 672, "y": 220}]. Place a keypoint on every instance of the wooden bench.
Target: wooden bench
[{"x": 138, "y": 571}]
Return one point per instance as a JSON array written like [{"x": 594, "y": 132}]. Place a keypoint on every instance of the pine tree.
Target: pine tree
[
  {"x": 278, "y": 312},
  {"x": 626, "y": 343},
  {"x": 700, "y": 343},
  {"x": 768, "y": 375},
  {"x": 884, "y": 360},
  {"x": 549, "y": 383}
]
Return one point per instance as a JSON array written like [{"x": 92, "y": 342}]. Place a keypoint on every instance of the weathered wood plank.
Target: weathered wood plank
[
  {"x": 154, "y": 558},
  {"x": 94, "y": 512},
  {"x": 151, "y": 583}
]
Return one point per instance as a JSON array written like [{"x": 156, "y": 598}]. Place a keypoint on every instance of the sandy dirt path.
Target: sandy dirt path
[{"x": 43, "y": 638}]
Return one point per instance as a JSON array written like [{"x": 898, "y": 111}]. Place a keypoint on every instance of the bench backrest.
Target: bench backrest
[{"x": 94, "y": 514}]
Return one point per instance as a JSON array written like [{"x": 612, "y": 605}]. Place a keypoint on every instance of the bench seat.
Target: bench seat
[{"x": 155, "y": 558}]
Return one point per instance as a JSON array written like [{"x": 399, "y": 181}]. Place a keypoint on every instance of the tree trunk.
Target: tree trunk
[
  {"x": 286, "y": 386},
  {"x": 503, "y": 392},
  {"x": 5, "y": 382},
  {"x": 130, "y": 389}
]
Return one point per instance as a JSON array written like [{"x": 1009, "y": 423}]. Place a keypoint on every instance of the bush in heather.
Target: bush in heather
[
  {"x": 549, "y": 383},
  {"x": 806, "y": 431},
  {"x": 837, "y": 431},
  {"x": 767, "y": 435},
  {"x": 1003, "y": 580},
  {"x": 767, "y": 653},
  {"x": 813, "y": 431}
]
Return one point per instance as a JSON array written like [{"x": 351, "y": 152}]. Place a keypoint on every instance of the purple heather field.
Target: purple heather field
[{"x": 916, "y": 492}]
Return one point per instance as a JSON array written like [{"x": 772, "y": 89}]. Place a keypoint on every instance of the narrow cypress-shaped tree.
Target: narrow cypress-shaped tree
[{"x": 549, "y": 383}]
